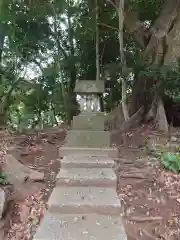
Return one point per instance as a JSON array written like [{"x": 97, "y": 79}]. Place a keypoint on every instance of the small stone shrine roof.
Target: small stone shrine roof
[{"x": 89, "y": 87}]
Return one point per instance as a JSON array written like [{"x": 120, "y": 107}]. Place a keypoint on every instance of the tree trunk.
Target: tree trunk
[
  {"x": 142, "y": 94},
  {"x": 2, "y": 30},
  {"x": 72, "y": 102},
  {"x": 161, "y": 46},
  {"x": 97, "y": 43},
  {"x": 3, "y": 119},
  {"x": 54, "y": 114},
  {"x": 3, "y": 104},
  {"x": 161, "y": 119},
  {"x": 3, "y": 112},
  {"x": 2, "y": 38},
  {"x": 124, "y": 100},
  {"x": 120, "y": 10},
  {"x": 73, "y": 73},
  {"x": 101, "y": 102}
]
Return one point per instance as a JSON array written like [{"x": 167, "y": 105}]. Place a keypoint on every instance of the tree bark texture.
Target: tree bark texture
[
  {"x": 2, "y": 38},
  {"x": 161, "y": 47},
  {"x": 160, "y": 43},
  {"x": 122, "y": 57}
]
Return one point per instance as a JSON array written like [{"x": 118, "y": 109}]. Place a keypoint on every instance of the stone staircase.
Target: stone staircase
[{"x": 84, "y": 204}]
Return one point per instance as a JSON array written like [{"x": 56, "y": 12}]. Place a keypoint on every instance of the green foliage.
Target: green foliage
[
  {"x": 167, "y": 79},
  {"x": 171, "y": 162},
  {"x": 50, "y": 44},
  {"x": 3, "y": 179},
  {"x": 148, "y": 9}
]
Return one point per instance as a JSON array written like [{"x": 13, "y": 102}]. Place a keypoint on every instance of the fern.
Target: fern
[{"x": 171, "y": 162}]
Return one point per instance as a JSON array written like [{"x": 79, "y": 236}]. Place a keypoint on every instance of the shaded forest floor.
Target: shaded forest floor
[{"x": 150, "y": 195}]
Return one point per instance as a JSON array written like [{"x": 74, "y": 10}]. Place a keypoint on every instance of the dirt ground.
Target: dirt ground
[{"x": 149, "y": 195}]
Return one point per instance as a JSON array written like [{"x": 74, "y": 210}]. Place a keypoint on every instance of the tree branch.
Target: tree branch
[
  {"x": 136, "y": 28},
  {"x": 161, "y": 26},
  {"x": 168, "y": 14},
  {"x": 133, "y": 25},
  {"x": 108, "y": 26},
  {"x": 56, "y": 35},
  {"x": 159, "y": 32},
  {"x": 38, "y": 64}
]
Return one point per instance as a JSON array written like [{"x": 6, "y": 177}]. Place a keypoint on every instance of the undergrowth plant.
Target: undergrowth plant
[
  {"x": 171, "y": 162},
  {"x": 3, "y": 179}
]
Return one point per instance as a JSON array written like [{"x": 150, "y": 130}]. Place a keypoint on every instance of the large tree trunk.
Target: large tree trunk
[
  {"x": 3, "y": 111},
  {"x": 120, "y": 9},
  {"x": 3, "y": 102},
  {"x": 72, "y": 102},
  {"x": 160, "y": 44},
  {"x": 73, "y": 73},
  {"x": 142, "y": 94},
  {"x": 101, "y": 102},
  {"x": 2, "y": 38}
]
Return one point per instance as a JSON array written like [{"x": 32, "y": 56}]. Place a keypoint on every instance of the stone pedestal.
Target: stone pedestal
[
  {"x": 89, "y": 121},
  {"x": 88, "y": 139}
]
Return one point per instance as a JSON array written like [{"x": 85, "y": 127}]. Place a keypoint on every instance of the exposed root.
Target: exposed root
[
  {"x": 137, "y": 176},
  {"x": 148, "y": 235},
  {"x": 145, "y": 219}
]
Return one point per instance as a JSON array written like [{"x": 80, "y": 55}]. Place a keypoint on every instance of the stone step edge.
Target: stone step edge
[
  {"x": 59, "y": 203},
  {"x": 87, "y": 131},
  {"x": 90, "y": 177},
  {"x": 85, "y": 151},
  {"x": 86, "y": 209},
  {"x": 89, "y": 163},
  {"x": 58, "y": 226}
]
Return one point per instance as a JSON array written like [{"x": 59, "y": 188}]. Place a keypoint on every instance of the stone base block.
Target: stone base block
[
  {"x": 89, "y": 139},
  {"x": 94, "y": 122}
]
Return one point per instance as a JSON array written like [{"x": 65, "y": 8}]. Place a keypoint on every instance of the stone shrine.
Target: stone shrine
[{"x": 84, "y": 204}]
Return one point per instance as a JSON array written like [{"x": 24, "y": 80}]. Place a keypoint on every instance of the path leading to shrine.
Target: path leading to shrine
[
  {"x": 84, "y": 204},
  {"x": 149, "y": 194}
]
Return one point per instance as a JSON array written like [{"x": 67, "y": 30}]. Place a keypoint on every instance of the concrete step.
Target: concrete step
[
  {"x": 85, "y": 151},
  {"x": 88, "y": 122},
  {"x": 82, "y": 200},
  {"x": 86, "y": 162},
  {"x": 92, "y": 177},
  {"x": 89, "y": 139},
  {"x": 80, "y": 227}
]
